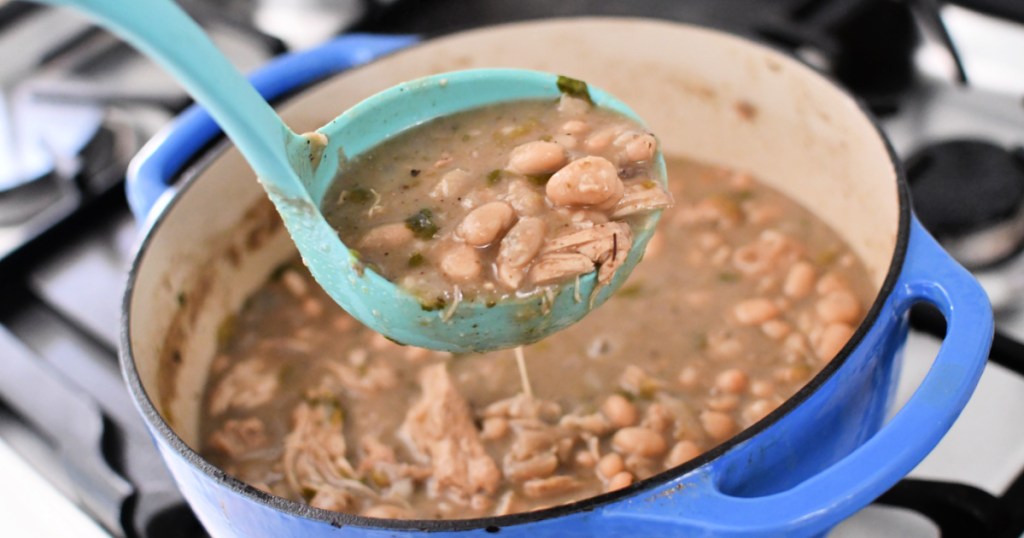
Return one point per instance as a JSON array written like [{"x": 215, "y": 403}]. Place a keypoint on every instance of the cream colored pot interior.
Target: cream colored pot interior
[{"x": 706, "y": 95}]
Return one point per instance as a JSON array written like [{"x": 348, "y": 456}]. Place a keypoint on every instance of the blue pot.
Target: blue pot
[{"x": 824, "y": 454}]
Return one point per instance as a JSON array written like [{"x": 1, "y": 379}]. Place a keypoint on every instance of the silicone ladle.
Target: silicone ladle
[{"x": 296, "y": 170}]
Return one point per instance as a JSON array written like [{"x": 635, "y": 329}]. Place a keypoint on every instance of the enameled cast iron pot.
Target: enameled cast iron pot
[{"x": 825, "y": 453}]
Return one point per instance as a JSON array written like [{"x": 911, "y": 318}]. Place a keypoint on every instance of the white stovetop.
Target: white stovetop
[{"x": 35, "y": 508}]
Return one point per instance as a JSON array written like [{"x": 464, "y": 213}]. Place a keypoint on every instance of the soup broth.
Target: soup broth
[{"x": 742, "y": 297}]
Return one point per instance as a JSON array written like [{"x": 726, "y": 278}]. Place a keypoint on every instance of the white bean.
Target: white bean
[
  {"x": 832, "y": 340},
  {"x": 659, "y": 418},
  {"x": 718, "y": 425},
  {"x": 762, "y": 388},
  {"x": 453, "y": 184},
  {"x": 486, "y": 224},
  {"x": 620, "y": 411},
  {"x": 386, "y": 511},
  {"x": 589, "y": 181},
  {"x": 689, "y": 376},
  {"x": 601, "y": 139},
  {"x": 494, "y": 428},
  {"x": 585, "y": 458},
  {"x": 830, "y": 282},
  {"x": 637, "y": 146},
  {"x": 619, "y": 481},
  {"x": 610, "y": 465},
  {"x": 776, "y": 329},
  {"x": 682, "y": 452},
  {"x": 755, "y": 311},
  {"x": 799, "y": 280},
  {"x": 757, "y": 410},
  {"x": 294, "y": 283},
  {"x": 537, "y": 157},
  {"x": 524, "y": 198},
  {"x": 639, "y": 441},
  {"x": 574, "y": 127},
  {"x": 838, "y": 306},
  {"x": 461, "y": 262},
  {"x": 732, "y": 381},
  {"x": 387, "y": 236}
]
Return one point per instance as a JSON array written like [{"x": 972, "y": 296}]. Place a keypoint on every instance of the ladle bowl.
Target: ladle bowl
[{"x": 297, "y": 169}]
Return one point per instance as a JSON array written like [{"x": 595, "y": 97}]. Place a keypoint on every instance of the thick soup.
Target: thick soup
[
  {"x": 742, "y": 297},
  {"x": 502, "y": 200}
]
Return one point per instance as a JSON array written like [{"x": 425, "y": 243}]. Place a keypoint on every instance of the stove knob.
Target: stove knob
[{"x": 970, "y": 195}]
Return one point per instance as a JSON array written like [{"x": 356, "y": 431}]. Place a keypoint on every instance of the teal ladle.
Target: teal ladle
[{"x": 296, "y": 170}]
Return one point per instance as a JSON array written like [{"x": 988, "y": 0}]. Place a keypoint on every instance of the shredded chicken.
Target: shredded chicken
[
  {"x": 552, "y": 485},
  {"x": 522, "y": 406},
  {"x": 239, "y": 437},
  {"x": 605, "y": 246},
  {"x": 247, "y": 384},
  {"x": 314, "y": 454},
  {"x": 558, "y": 266},
  {"x": 365, "y": 378},
  {"x": 639, "y": 199},
  {"x": 440, "y": 427}
]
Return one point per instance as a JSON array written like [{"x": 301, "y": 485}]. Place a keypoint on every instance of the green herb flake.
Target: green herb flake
[
  {"x": 826, "y": 257},
  {"x": 358, "y": 267},
  {"x": 626, "y": 394},
  {"x": 728, "y": 276},
  {"x": 308, "y": 494},
  {"x": 337, "y": 416},
  {"x": 226, "y": 330},
  {"x": 631, "y": 291},
  {"x": 648, "y": 389},
  {"x": 438, "y": 304},
  {"x": 494, "y": 176},
  {"x": 422, "y": 224},
  {"x": 278, "y": 271},
  {"x": 539, "y": 180},
  {"x": 359, "y": 195},
  {"x": 700, "y": 341},
  {"x": 414, "y": 172},
  {"x": 516, "y": 131},
  {"x": 574, "y": 88},
  {"x": 288, "y": 374},
  {"x": 379, "y": 478},
  {"x": 181, "y": 298},
  {"x": 416, "y": 260},
  {"x": 743, "y": 195}
]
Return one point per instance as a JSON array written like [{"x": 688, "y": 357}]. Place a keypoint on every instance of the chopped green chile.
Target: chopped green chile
[
  {"x": 540, "y": 179},
  {"x": 305, "y": 403},
  {"x": 494, "y": 176},
  {"x": 574, "y": 88},
  {"x": 358, "y": 196},
  {"x": 422, "y": 224}
]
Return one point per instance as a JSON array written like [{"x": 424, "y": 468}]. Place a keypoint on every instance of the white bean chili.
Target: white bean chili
[{"x": 742, "y": 297}]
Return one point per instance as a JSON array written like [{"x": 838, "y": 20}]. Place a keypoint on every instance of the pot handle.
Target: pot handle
[
  {"x": 151, "y": 172},
  {"x": 695, "y": 503}
]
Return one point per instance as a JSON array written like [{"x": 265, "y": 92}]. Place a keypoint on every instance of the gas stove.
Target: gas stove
[{"x": 946, "y": 81}]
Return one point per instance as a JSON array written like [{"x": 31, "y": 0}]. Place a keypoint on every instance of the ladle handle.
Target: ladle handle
[
  {"x": 165, "y": 33},
  {"x": 161, "y": 161}
]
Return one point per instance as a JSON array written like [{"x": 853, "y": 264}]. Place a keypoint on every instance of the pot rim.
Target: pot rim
[{"x": 194, "y": 167}]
